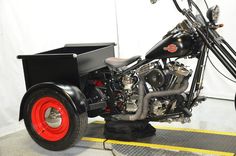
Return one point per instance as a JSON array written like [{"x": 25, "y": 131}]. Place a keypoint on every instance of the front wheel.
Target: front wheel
[{"x": 51, "y": 120}]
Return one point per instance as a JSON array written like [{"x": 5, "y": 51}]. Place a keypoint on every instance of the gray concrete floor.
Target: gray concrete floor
[{"x": 20, "y": 144}]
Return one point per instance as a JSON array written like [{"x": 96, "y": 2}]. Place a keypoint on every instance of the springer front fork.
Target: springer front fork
[{"x": 222, "y": 50}]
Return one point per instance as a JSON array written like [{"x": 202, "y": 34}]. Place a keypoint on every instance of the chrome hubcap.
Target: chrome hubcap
[{"x": 53, "y": 117}]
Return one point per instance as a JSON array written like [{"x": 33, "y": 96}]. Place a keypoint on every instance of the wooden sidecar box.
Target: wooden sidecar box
[{"x": 66, "y": 64}]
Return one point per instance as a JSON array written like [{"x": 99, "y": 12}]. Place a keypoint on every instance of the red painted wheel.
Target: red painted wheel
[{"x": 50, "y": 119}]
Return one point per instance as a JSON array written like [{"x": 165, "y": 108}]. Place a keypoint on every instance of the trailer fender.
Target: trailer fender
[{"x": 72, "y": 93}]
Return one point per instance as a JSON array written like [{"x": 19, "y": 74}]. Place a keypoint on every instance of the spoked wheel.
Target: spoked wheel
[{"x": 52, "y": 121}]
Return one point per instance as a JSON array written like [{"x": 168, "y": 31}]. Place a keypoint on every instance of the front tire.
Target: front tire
[{"x": 51, "y": 120}]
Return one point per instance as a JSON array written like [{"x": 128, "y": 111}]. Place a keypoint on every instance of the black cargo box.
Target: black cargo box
[{"x": 66, "y": 64}]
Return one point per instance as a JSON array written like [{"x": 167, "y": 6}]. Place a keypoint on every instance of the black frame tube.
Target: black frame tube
[{"x": 230, "y": 48}]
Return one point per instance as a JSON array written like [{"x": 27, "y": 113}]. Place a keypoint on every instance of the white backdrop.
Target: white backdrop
[
  {"x": 142, "y": 25},
  {"x": 27, "y": 27}
]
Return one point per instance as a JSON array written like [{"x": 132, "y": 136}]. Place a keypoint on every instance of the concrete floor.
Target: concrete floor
[
  {"x": 212, "y": 114},
  {"x": 22, "y": 145}
]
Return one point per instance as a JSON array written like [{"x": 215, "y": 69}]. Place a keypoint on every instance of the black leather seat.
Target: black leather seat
[{"x": 120, "y": 62}]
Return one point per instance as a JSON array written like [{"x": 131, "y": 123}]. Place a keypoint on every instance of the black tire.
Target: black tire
[{"x": 77, "y": 122}]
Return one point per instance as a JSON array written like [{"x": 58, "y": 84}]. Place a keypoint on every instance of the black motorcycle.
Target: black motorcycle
[{"x": 67, "y": 85}]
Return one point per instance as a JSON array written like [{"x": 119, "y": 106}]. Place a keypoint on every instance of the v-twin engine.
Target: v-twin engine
[
  {"x": 156, "y": 78},
  {"x": 164, "y": 78}
]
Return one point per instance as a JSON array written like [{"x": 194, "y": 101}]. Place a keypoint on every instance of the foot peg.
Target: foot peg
[
  {"x": 187, "y": 112},
  {"x": 200, "y": 99}
]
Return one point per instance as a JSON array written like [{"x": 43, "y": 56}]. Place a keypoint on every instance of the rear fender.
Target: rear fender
[{"x": 72, "y": 93}]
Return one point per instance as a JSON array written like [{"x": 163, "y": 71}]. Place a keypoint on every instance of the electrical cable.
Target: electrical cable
[{"x": 220, "y": 71}]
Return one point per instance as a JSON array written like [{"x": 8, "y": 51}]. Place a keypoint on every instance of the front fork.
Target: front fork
[
  {"x": 219, "y": 47},
  {"x": 197, "y": 79}
]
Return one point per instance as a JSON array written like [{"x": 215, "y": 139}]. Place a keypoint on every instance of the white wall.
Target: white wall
[
  {"x": 141, "y": 25},
  {"x": 27, "y": 27}
]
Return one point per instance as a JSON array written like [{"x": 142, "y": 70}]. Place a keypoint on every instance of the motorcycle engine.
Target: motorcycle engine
[
  {"x": 168, "y": 78},
  {"x": 131, "y": 92},
  {"x": 157, "y": 78}
]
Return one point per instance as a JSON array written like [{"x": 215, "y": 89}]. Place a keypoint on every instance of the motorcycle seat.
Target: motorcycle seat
[{"x": 115, "y": 62}]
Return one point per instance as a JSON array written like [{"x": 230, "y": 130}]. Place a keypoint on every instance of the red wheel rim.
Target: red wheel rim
[{"x": 50, "y": 119}]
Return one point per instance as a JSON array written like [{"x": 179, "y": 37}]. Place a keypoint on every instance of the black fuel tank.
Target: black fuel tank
[{"x": 174, "y": 45}]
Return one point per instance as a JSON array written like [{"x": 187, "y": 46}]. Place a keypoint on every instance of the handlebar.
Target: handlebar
[
  {"x": 191, "y": 4},
  {"x": 187, "y": 12},
  {"x": 177, "y": 6}
]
